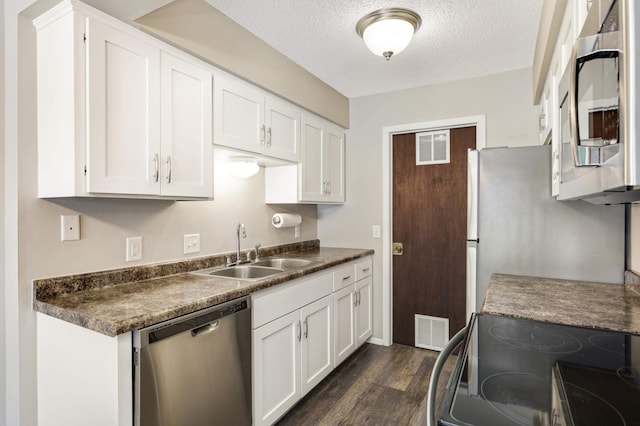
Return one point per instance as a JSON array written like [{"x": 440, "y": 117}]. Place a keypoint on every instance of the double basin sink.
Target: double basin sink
[{"x": 256, "y": 270}]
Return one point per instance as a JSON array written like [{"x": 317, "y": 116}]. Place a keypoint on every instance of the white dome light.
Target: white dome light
[{"x": 387, "y": 32}]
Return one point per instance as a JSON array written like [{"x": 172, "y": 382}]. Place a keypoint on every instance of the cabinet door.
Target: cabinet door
[
  {"x": 317, "y": 342},
  {"x": 282, "y": 123},
  {"x": 334, "y": 164},
  {"x": 276, "y": 366},
  {"x": 123, "y": 113},
  {"x": 364, "y": 320},
  {"x": 186, "y": 132},
  {"x": 312, "y": 180},
  {"x": 344, "y": 322},
  {"x": 239, "y": 120}
]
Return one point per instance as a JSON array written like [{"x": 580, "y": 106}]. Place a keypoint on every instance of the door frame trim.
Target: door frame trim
[{"x": 387, "y": 208}]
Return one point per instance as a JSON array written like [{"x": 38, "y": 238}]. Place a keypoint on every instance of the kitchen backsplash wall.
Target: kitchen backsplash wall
[{"x": 106, "y": 223}]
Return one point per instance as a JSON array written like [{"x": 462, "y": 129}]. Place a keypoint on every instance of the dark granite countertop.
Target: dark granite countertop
[
  {"x": 118, "y": 301},
  {"x": 577, "y": 303}
]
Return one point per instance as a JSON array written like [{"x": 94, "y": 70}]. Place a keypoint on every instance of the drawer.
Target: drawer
[
  {"x": 276, "y": 301},
  {"x": 364, "y": 268},
  {"x": 344, "y": 276}
]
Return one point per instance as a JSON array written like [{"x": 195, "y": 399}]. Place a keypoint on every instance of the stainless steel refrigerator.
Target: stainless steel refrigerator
[{"x": 516, "y": 227}]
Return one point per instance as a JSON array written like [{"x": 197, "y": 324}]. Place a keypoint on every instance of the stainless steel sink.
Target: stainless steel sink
[
  {"x": 241, "y": 272},
  {"x": 283, "y": 263}
]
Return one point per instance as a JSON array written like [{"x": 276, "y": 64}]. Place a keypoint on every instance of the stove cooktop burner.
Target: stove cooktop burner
[
  {"x": 520, "y": 397},
  {"x": 535, "y": 338},
  {"x": 589, "y": 408},
  {"x": 626, "y": 375},
  {"x": 607, "y": 342}
]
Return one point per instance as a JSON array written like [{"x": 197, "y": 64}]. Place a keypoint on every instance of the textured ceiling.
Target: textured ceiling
[{"x": 458, "y": 39}]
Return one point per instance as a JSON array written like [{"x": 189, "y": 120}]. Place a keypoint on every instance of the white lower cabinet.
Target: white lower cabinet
[
  {"x": 302, "y": 330},
  {"x": 292, "y": 354},
  {"x": 292, "y": 337},
  {"x": 353, "y": 317},
  {"x": 276, "y": 368}
]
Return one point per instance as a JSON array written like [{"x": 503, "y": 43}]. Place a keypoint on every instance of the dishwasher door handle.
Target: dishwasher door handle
[{"x": 205, "y": 329}]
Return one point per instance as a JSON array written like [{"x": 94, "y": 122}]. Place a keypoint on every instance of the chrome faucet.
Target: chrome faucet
[{"x": 244, "y": 235}]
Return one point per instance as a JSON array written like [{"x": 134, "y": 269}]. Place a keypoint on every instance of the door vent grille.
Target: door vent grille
[
  {"x": 432, "y": 147},
  {"x": 431, "y": 332}
]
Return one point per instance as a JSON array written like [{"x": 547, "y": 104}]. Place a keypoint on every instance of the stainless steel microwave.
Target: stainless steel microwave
[{"x": 599, "y": 108}]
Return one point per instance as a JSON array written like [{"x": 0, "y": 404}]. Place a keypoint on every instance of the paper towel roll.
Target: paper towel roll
[{"x": 286, "y": 220}]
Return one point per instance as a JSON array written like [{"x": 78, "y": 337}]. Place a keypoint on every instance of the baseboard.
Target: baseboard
[{"x": 376, "y": 341}]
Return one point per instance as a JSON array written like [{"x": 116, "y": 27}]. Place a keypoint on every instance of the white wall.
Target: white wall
[
  {"x": 504, "y": 98},
  {"x": 33, "y": 239}
]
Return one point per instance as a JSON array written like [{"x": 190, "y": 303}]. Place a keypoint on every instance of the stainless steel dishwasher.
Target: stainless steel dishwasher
[{"x": 195, "y": 369}]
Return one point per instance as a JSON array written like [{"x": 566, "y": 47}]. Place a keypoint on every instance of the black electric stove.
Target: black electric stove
[{"x": 524, "y": 372}]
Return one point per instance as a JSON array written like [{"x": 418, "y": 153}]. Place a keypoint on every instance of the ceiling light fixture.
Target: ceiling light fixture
[{"x": 387, "y": 32}]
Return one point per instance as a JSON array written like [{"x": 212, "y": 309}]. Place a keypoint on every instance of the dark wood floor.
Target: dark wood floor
[{"x": 377, "y": 385}]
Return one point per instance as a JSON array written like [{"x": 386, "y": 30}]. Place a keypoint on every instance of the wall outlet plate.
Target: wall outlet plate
[
  {"x": 134, "y": 249},
  {"x": 191, "y": 243},
  {"x": 69, "y": 227},
  {"x": 375, "y": 231}
]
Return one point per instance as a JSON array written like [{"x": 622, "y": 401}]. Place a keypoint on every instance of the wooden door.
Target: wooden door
[{"x": 429, "y": 219}]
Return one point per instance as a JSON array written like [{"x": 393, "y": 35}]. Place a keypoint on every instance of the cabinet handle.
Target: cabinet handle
[
  {"x": 359, "y": 297},
  {"x": 328, "y": 187},
  {"x": 156, "y": 163},
  {"x": 262, "y": 135},
  {"x": 355, "y": 299},
  {"x": 299, "y": 331},
  {"x": 346, "y": 278},
  {"x": 366, "y": 269},
  {"x": 168, "y": 169},
  {"x": 306, "y": 328},
  {"x": 269, "y": 137}
]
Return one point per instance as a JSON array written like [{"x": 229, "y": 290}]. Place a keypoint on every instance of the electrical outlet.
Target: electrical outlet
[
  {"x": 191, "y": 243},
  {"x": 376, "y": 231},
  {"x": 134, "y": 249},
  {"x": 69, "y": 227}
]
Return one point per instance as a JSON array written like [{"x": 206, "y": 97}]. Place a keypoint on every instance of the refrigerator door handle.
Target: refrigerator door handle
[{"x": 472, "y": 195}]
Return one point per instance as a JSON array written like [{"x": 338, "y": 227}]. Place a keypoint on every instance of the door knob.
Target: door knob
[{"x": 397, "y": 249}]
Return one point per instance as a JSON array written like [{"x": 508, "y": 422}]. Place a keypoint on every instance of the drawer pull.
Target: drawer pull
[
  {"x": 348, "y": 277},
  {"x": 366, "y": 269}
]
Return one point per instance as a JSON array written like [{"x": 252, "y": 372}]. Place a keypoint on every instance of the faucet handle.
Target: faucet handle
[{"x": 255, "y": 249}]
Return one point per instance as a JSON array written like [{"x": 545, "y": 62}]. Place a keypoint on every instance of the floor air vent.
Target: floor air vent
[{"x": 432, "y": 332}]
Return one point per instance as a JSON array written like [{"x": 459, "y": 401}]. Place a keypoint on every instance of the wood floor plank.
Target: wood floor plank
[{"x": 377, "y": 385}]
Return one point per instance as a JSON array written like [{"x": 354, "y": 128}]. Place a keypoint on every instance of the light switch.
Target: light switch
[
  {"x": 376, "y": 231},
  {"x": 191, "y": 243},
  {"x": 69, "y": 227},
  {"x": 134, "y": 249}
]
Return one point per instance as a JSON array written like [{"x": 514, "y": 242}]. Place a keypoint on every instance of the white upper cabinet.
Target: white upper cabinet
[
  {"x": 319, "y": 178},
  {"x": 248, "y": 120},
  {"x": 186, "y": 128},
  {"x": 322, "y": 168},
  {"x": 123, "y": 114},
  {"x": 129, "y": 119}
]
